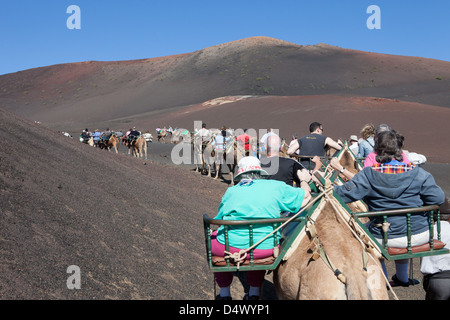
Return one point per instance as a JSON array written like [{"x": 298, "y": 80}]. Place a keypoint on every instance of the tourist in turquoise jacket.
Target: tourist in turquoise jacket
[{"x": 254, "y": 198}]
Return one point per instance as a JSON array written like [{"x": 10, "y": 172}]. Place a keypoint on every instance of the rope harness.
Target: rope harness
[
  {"x": 369, "y": 248},
  {"x": 319, "y": 251}
]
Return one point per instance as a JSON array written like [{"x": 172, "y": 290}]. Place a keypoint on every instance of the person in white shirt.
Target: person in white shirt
[
  {"x": 353, "y": 144},
  {"x": 219, "y": 143},
  {"x": 203, "y": 134},
  {"x": 436, "y": 269},
  {"x": 294, "y": 138}
]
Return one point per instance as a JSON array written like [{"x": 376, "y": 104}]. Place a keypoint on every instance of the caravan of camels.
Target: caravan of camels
[{"x": 325, "y": 251}]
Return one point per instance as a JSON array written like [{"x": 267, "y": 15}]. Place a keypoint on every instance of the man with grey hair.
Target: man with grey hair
[{"x": 279, "y": 168}]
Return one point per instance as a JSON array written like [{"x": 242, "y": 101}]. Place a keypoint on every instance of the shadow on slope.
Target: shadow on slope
[{"x": 134, "y": 228}]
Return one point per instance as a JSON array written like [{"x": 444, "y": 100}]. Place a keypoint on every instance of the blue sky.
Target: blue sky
[{"x": 34, "y": 33}]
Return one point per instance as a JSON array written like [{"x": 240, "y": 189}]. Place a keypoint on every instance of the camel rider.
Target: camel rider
[
  {"x": 106, "y": 135},
  {"x": 314, "y": 144},
  {"x": 96, "y": 136},
  {"x": 85, "y": 136},
  {"x": 134, "y": 134},
  {"x": 244, "y": 141},
  {"x": 219, "y": 144},
  {"x": 119, "y": 134},
  {"x": 203, "y": 135},
  {"x": 148, "y": 136}
]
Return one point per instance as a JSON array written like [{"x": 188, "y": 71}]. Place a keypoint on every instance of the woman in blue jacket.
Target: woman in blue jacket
[{"x": 394, "y": 184}]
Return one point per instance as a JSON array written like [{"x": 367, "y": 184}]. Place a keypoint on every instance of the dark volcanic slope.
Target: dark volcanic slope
[
  {"x": 134, "y": 229},
  {"x": 98, "y": 91},
  {"x": 423, "y": 126}
]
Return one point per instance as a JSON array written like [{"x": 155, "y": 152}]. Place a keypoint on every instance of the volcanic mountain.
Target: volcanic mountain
[{"x": 96, "y": 92}]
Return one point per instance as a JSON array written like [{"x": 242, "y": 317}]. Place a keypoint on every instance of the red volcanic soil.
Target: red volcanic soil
[{"x": 424, "y": 126}]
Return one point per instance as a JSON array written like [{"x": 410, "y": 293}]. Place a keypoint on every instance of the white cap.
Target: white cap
[{"x": 249, "y": 164}]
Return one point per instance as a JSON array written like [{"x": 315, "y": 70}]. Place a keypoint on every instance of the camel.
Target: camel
[
  {"x": 233, "y": 153},
  {"x": 348, "y": 160},
  {"x": 127, "y": 143},
  {"x": 139, "y": 147},
  {"x": 253, "y": 141},
  {"x": 330, "y": 151},
  {"x": 112, "y": 142},
  {"x": 203, "y": 157},
  {"x": 163, "y": 134},
  {"x": 284, "y": 148},
  {"x": 89, "y": 141},
  {"x": 351, "y": 272},
  {"x": 181, "y": 135},
  {"x": 207, "y": 158}
]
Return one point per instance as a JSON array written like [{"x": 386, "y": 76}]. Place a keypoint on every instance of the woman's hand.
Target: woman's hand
[{"x": 335, "y": 164}]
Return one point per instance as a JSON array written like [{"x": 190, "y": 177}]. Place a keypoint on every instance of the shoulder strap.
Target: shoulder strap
[{"x": 369, "y": 143}]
